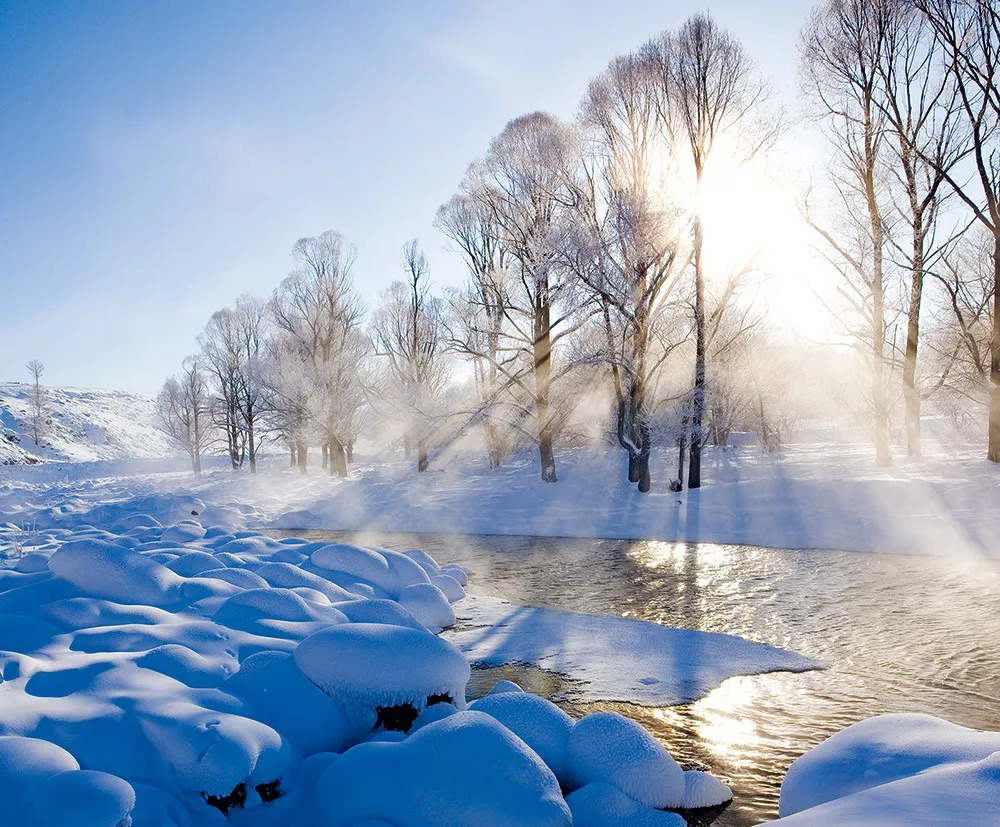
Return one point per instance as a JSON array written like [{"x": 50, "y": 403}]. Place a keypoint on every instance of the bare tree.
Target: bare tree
[
  {"x": 478, "y": 311},
  {"x": 251, "y": 326},
  {"x": 221, "y": 348},
  {"x": 407, "y": 332},
  {"x": 184, "y": 411},
  {"x": 318, "y": 315},
  {"x": 525, "y": 185},
  {"x": 38, "y": 401},
  {"x": 841, "y": 51},
  {"x": 968, "y": 35},
  {"x": 711, "y": 91},
  {"x": 916, "y": 99},
  {"x": 629, "y": 247}
]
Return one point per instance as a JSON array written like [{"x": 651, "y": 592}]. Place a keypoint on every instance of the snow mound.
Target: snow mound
[
  {"x": 876, "y": 751},
  {"x": 541, "y": 724},
  {"x": 947, "y": 795},
  {"x": 610, "y": 748},
  {"x": 701, "y": 789},
  {"x": 601, "y": 805},
  {"x": 428, "y": 604},
  {"x": 466, "y": 769},
  {"x": 106, "y": 570},
  {"x": 383, "y": 675},
  {"x": 84, "y": 798}
]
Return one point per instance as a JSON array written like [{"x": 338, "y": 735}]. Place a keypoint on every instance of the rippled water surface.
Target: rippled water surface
[{"x": 897, "y": 633}]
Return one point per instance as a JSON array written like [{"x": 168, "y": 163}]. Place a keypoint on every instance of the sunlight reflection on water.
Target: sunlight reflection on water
[{"x": 898, "y": 633}]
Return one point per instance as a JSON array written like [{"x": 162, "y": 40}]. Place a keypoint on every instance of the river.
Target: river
[{"x": 897, "y": 634}]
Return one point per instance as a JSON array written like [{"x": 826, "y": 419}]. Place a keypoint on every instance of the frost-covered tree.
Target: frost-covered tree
[
  {"x": 184, "y": 413},
  {"x": 223, "y": 359},
  {"x": 38, "y": 402},
  {"x": 841, "y": 52},
  {"x": 967, "y": 34},
  {"x": 525, "y": 184},
  {"x": 476, "y": 318},
  {"x": 711, "y": 94},
  {"x": 407, "y": 332},
  {"x": 318, "y": 316},
  {"x": 628, "y": 247}
]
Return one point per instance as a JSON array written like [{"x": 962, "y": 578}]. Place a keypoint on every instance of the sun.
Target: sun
[{"x": 751, "y": 217}]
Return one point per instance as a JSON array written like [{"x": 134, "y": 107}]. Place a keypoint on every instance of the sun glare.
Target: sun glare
[{"x": 752, "y": 221}]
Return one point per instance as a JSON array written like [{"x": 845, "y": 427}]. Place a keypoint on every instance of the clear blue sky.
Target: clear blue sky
[{"x": 159, "y": 158}]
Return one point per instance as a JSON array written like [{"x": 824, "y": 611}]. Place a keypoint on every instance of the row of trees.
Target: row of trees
[
  {"x": 908, "y": 93},
  {"x": 301, "y": 368},
  {"x": 589, "y": 297}
]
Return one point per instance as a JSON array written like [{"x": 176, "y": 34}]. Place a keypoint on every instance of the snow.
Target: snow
[
  {"x": 877, "y": 751},
  {"x": 466, "y": 769},
  {"x": 601, "y": 805},
  {"x": 702, "y": 789},
  {"x": 609, "y": 748},
  {"x": 612, "y": 658},
  {"x": 84, "y": 424},
  {"x": 232, "y": 685},
  {"x": 367, "y": 667},
  {"x": 541, "y": 724},
  {"x": 428, "y": 604},
  {"x": 947, "y": 795}
]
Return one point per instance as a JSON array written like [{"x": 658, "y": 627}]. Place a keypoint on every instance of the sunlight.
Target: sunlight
[{"x": 752, "y": 220}]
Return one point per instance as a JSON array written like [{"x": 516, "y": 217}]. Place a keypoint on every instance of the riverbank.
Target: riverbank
[{"x": 812, "y": 495}]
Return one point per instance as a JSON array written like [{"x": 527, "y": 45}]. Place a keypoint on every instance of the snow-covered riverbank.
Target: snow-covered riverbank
[{"x": 817, "y": 495}]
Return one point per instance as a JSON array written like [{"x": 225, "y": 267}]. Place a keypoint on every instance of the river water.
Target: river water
[{"x": 897, "y": 634}]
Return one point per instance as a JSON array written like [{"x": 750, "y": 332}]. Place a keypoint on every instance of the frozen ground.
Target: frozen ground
[{"x": 815, "y": 495}]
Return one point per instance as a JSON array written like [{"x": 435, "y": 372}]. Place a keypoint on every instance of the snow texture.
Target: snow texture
[
  {"x": 466, "y": 769},
  {"x": 601, "y": 805},
  {"x": 613, "y": 658},
  {"x": 882, "y": 750},
  {"x": 609, "y": 748}
]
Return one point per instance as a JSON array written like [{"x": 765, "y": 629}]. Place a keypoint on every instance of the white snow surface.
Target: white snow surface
[
  {"x": 947, "y": 795},
  {"x": 817, "y": 495},
  {"x": 885, "y": 750},
  {"x": 612, "y": 658}
]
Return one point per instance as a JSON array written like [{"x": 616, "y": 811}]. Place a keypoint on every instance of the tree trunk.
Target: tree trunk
[
  {"x": 492, "y": 443},
  {"x": 698, "y": 399},
  {"x": 633, "y": 467},
  {"x": 422, "y": 459},
  {"x": 406, "y": 446},
  {"x": 682, "y": 445},
  {"x": 350, "y": 452},
  {"x": 326, "y": 456},
  {"x": 993, "y": 448},
  {"x": 338, "y": 464},
  {"x": 252, "y": 445},
  {"x": 642, "y": 461},
  {"x": 543, "y": 382},
  {"x": 301, "y": 453},
  {"x": 911, "y": 395},
  {"x": 291, "y": 455}
]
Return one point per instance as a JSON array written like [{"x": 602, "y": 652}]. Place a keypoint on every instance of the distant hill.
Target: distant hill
[{"x": 83, "y": 425}]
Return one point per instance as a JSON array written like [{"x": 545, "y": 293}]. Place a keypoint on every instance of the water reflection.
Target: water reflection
[{"x": 899, "y": 634}]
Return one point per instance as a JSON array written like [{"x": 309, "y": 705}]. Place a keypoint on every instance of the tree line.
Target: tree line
[{"x": 586, "y": 281}]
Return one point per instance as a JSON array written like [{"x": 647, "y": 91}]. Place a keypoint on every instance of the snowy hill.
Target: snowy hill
[{"x": 83, "y": 425}]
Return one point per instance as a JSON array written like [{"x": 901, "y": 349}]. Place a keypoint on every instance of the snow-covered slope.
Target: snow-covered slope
[{"x": 82, "y": 425}]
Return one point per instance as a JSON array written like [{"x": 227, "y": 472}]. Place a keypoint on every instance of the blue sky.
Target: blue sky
[{"x": 159, "y": 158}]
